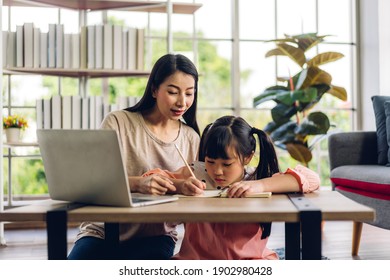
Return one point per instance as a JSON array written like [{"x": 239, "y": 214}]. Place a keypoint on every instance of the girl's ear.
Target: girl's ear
[{"x": 248, "y": 159}]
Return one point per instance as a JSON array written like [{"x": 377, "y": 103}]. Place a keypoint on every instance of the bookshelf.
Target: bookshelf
[
  {"x": 83, "y": 6},
  {"x": 62, "y": 72}
]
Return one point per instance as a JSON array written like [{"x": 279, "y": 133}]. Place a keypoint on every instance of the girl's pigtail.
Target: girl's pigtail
[
  {"x": 268, "y": 162},
  {"x": 268, "y": 165}
]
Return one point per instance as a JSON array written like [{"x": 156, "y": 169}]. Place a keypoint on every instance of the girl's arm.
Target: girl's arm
[{"x": 298, "y": 179}]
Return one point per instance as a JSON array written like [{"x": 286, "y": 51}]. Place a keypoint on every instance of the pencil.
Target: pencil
[{"x": 185, "y": 162}]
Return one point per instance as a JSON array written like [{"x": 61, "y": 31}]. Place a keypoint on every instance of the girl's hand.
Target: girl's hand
[
  {"x": 192, "y": 186},
  {"x": 156, "y": 184},
  {"x": 244, "y": 188}
]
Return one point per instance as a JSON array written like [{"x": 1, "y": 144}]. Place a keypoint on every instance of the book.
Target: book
[
  {"x": 76, "y": 112},
  {"x": 5, "y": 43},
  {"x": 39, "y": 113},
  {"x": 19, "y": 46},
  {"x": 83, "y": 47},
  {"x": 124, "y": 49},
  {"x": 99, "y": 46},
  {"x": 11, "y": 49},
  {"x": 47, "y": 113},
  {"x": 107, "y": 48},
  {"x": 91, "y": 47},
  {"x": 98, "y": 111},
  {"x": 51, "y": 46},
  {"x": 92, "y": 112},
  {"x": 140, "y": 48},
  {"x": 59, "y": 50},
  {"x": 43, "y": 50},
  {"x": 67, "y": 112},
  {"x": 117, "y": 47},
  {"x": 28, "y": 44},
  {"x": 222, "y": 194},
  {"x": 37, "y": 47},
  {"x": 132, "y": 100},
  {"x": 132, "y": 49},
  {"x": 75, "y": 51},
  {"x": 85, "y": 113},
  {"x": 56, "y": 112},
  {"x": 106, "y": 109},
  {"x": 123, "y": 102},
  {"x": 67, "y": 51}
]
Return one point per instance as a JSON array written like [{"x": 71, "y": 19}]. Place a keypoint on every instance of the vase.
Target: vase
[{"x": 12, "y": 134}]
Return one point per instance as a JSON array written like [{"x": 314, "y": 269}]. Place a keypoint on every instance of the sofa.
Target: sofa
[{"x": 360, "y": 167}]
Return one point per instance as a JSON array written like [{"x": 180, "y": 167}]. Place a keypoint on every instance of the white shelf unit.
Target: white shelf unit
[{"x": 83, "y": 6}]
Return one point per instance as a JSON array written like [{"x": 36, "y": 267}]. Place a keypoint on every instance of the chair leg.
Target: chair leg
[{"x": 356, "y": 234}]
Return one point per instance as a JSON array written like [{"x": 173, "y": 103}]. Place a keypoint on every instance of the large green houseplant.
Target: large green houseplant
[{"x": 292, "y": 120}]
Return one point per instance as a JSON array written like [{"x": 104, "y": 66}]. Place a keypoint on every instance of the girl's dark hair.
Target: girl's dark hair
[
  {"x": 235, "y": 132},
  {"x": 164, "y": 67}
]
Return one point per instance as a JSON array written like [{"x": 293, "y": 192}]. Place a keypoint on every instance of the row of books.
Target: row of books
[
  {"x": 95, "y": 47},
  {"x": 76, "y": 112}
]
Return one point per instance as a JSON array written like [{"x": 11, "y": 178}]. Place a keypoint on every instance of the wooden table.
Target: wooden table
[{"x": 301, "y": 213}]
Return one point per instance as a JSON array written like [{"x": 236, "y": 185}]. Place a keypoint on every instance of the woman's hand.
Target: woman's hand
[
  {"x": 191, "y": 186},
  {"x": 245, "y": 188},
  {"x": 155, "y": 184}
]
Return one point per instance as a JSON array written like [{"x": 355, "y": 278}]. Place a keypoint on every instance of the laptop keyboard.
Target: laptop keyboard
[{"x": 136, "y": 199}]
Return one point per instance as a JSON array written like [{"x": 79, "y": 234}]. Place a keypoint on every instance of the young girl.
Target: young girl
[{"x": 227, "y": 146}]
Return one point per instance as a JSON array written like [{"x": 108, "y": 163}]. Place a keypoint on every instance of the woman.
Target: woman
[{"x": 148, "y": 133}]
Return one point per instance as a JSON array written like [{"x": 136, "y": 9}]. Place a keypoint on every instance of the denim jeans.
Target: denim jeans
[{"x": 146, "y": 248}]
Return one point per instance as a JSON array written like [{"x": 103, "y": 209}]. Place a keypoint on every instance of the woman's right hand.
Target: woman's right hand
[
  {"x": 155, "y": 184},
  {"x": 191, "y": 186}
]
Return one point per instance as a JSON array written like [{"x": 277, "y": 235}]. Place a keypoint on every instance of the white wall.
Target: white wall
[
  {"x": 369, "y": 62},
  {"x": 374, "y": 56}
]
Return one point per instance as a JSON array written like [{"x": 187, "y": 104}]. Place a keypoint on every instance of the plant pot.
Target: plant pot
[{"x": 12, "y": 134}]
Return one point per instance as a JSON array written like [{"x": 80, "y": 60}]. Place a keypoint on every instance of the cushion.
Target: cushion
[
  {"x": 387, "y": 112},
  {"x": 363, "y": 179},
  {"x": 378, "y": 102}
]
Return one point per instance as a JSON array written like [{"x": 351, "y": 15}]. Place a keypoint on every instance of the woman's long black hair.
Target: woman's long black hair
[
  {"x": 234, "y": 132},
  {"x": 164, "y": 67}
]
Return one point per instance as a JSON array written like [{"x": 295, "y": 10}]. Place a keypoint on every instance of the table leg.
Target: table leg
[
  {"x": 57, "y": 244},
  {"x": 111, "y": 233},
  {"x": 310, "y": 227},
  {"x": 311, "y": 235},
  {"x": 293, "y": 241},
  {"x": 57, "y": 229}
]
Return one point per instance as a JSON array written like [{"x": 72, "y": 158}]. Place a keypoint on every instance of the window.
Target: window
[{"x": 233, "y": 42}]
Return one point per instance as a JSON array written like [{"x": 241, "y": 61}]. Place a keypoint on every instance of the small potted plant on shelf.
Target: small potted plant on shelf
[
  {"x": 293, "y": 120},
  {"x": 13, "y": 125}
]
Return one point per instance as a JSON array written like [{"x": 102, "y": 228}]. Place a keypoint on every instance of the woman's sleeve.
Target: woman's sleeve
[{"x": 308, "y": 180}]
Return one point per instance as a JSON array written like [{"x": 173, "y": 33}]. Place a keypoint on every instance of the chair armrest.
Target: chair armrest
[{"x": 352, "y": 148}]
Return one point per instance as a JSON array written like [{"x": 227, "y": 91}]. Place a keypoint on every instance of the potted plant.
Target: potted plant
[
  {"x": 12, "y": 125},
  {"x": 292, "y": 122}
]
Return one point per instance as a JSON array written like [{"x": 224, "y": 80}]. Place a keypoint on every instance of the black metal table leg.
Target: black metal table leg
[
  {"x": 111, "y": 233},
  {"x": 57, "y": 234},
  {"x": 310, "y": 227},
  {"x": 57, "y": 227},
  {"x": 293, "y": 241}
]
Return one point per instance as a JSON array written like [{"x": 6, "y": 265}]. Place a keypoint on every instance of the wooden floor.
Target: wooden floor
[{"x": 30, "y": 244}]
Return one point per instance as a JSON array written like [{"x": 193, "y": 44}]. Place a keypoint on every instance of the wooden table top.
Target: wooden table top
[{"x": 333, "y": 205}]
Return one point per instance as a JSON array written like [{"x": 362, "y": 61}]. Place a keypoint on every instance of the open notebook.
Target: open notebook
[
  {"x": 222, "y": 193},
  {"x": 86, "y": 166},
  {"x": 212, "y": 190}
]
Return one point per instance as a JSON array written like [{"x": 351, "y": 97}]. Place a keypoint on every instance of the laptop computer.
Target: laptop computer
[{"x": 86, "y": 166}]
